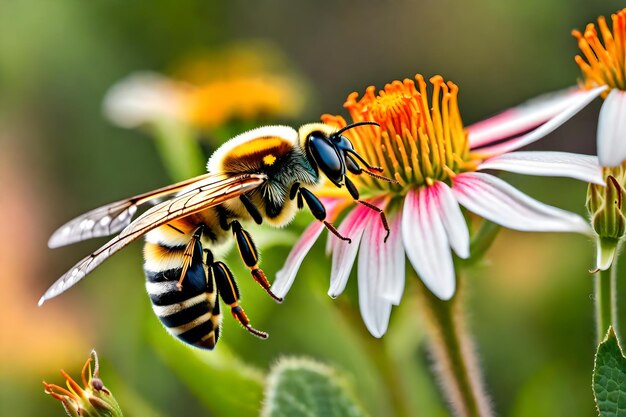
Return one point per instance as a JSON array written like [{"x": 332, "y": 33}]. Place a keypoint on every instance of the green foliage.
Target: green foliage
[
  {"x": 301, "y": 387},
  {"x": 609, "y": 377},
  {"x": 226, "y": 386}
]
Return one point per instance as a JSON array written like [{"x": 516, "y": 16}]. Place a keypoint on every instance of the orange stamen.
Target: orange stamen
[
  {"x": 420, "y": 140},
  {"x": 603, "y": 61}
]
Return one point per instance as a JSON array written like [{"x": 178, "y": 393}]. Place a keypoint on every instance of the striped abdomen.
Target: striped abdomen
[{"x": 192, "y": 312}]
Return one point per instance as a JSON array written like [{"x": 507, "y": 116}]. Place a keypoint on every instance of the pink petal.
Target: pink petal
[
  {"x": 286, "y": 276},
  {"x": 612, "y": 129},
  {"x": 452, "y": 219},
  {"x": 520, "y": 119},
  {"x": 344, "y": 253},
  {"x": 426, "y": 243},
  {"x": 577, "y": 103},
  {"x": 375, "y": 268},
  {"x": 495, "y": 200},
  {"x": 551, "y": 164}
]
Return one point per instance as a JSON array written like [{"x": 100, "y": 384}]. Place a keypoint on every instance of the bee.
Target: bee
[{"x": 263, "y": 175}]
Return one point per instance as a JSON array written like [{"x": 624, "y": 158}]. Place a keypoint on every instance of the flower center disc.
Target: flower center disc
[
  {"x": 417, "y": 143},
  {"x": 603, "y": 64}
]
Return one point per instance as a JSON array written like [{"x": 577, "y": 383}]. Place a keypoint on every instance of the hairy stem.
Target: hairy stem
[
  {"x": 455, "y": 361},
  {"x": 482, "y": 239}
]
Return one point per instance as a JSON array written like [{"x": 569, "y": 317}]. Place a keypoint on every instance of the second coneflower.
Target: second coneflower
[
  {"x": 603, "y": 65},
  {"x": 437, "y": 164}
]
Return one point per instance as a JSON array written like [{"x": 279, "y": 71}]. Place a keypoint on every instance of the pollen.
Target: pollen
[
  {"x": 602, "y": 61},
  {"x": 269, "y": 159},
  {"x": 421, "y": 138}
]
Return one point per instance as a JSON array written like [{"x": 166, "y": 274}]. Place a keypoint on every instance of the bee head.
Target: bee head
[{"x": 334, "y": 154}]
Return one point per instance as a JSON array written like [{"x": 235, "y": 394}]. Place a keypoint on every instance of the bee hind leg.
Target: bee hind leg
[
  {"x": 228, "y": 291},
  {"x": 250, "y": 256}
]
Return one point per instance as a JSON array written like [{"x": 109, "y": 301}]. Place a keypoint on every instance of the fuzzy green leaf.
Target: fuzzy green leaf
[
  {"x": 609, "y": 378},
  {"x": 305, "y": 388}
]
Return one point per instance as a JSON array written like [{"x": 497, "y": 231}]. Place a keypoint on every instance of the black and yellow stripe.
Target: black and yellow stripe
[{"x": 191, "y": 313}]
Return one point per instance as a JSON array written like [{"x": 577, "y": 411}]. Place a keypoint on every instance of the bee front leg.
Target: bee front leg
[
  {"x": 250, "y": 256},
  {"x": 317, "y": 208},
  {"x": 354, "y": 192},
  {"x": 228, "y": 291}
]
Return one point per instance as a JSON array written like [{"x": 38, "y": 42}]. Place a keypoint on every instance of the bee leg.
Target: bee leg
[
  {"x": 354, "y": 168},
  {"x": 251, "y": 209},
  {"x": 228, "y": 291},
  {"x": 250, "y": 256},
  {"x": 193, "y": 247},
  {"x": 318, "y": 210},
  {"x": 354, "y": 192}
]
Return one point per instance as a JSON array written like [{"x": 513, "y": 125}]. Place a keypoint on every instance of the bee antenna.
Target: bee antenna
[{"x": 340, "y": 131}]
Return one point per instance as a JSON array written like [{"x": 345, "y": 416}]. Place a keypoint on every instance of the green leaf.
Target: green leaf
[
  {"x": 305, "y": 388},
  {"x": 219, "y": 379},
  {"x": 609, "y": 378}
]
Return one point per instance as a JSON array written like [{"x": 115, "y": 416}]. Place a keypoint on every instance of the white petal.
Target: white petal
[
  {"x": 374, "y": 268},
  {"x": 452, "y": 219},
  {"x": 143, "y": 97},
  {"x": 522, "y": 118},
  {"x": 426, "y": 243},
  {"x": 551, "y": 164},
  {"x": 495, "y": 200},
  {"x": 577, "y": 103},
  {"x": 612, "y": 129},
  {"x": 393, "y": 254},
  {"x": 344, "y": 253},
  {"x": 285, "y": 277}
]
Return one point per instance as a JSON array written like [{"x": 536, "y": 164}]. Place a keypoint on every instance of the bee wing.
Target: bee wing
[
  {"x": 198, "y": 198},
  {"x": 110, "y": 219}
]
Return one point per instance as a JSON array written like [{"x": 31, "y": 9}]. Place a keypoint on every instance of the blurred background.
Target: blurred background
[{"x": 60, "y": 155}]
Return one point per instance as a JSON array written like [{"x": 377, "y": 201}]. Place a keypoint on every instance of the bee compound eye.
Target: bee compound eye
[
  {"x": 344, "y": 143},
  {"x": 326, "y": 156}
]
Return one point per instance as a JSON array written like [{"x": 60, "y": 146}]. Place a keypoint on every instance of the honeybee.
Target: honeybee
[{"x": 263, "y": 175}]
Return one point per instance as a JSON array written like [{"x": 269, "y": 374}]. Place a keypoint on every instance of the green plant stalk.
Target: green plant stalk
[
  {"x": 452, "y": 349},
  {"x": 482, "y": 240},
  {"x": 378, "y": 353},
  {"x": 602, "y": 288},
  {"x": 614, "y": 295},
  {"x": 182, "y": 156},
  {"x": 605, "y": 288}
]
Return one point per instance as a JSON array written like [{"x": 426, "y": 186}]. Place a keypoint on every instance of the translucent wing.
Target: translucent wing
[
  {"x": 197, "y": 198},
  {"x": 110, "y": 219}
]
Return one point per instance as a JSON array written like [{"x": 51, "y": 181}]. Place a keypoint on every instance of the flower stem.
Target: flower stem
[
  {"x": 453, "y": 353},
  {"x": 482, "y": 239},
  {"x": 606, "y": 300},
  {"x": 602, "y": 287}
]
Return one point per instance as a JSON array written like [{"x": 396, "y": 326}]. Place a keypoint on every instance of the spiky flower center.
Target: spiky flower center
[
  {"x": 418, "y": 142},
  {"x": 603, "y": 62}
]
